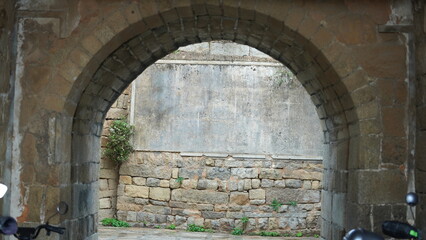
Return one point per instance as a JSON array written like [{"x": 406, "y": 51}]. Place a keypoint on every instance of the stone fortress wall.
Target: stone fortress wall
[{"x": 242, "y": 153}]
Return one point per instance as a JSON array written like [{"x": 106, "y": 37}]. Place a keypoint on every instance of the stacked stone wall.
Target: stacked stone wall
[
  {"x": 218, "y": 190},
  {"x": 108, "y": 181}
]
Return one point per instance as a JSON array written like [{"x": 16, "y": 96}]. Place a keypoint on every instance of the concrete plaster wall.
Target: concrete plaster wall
[{"x": 224, "y": 97}]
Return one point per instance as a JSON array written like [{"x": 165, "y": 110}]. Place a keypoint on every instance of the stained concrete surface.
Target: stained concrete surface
[{"x": 109, "y": 233}]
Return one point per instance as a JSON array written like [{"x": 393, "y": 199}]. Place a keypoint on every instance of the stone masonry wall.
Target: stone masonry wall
[
  {"x": 109, "y": 171},
  {"x": 217, "y": 191}
]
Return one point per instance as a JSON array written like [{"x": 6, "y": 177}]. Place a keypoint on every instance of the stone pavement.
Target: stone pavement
[{"x": 109, "y": 233}]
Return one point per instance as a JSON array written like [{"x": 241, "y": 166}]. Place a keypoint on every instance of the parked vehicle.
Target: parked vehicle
[
  {"x": 30, "y": 233},
  {"x": 9, "y": 226},
  {"x": 395, "y": 229}
]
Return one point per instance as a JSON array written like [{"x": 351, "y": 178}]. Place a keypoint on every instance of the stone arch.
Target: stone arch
[{"x": 108, "y": 73}]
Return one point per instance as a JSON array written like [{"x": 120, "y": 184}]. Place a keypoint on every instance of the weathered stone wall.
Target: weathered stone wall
[
  {"x": 76, "y": 57},
  {"x": 419, "y": 42},
  {"x": 7, "y": 35},
  {"x": 109, "y": 175},
  {"x": 216, "y": 191},
  {"x": 224, "y": 97},
  {"x": 241, "y": 84}
]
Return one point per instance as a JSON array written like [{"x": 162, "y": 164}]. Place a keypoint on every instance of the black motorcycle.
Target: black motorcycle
[
  {"x": 9, "y": 226},
  {"x": 395, "y": 229}
]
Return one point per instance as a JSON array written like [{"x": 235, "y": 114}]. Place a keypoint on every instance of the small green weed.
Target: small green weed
[
  {"x": 195, "y": 228},
  {"x": 299, "y": 234},
  {"x": 316, "y": 236},
  {"x": 114, "y": 222},
  {"x": 276, "y": 205},
  {"x": 244, "y": 219},
  {"x": 171, "y": 227},
  {"x": 269, "y": 234},
  {"x": 157, "y": 227},
  {"x": 286, "y": 235},
  {"x": 179, "y": 180},
  {"x": 237, "y": 231},
  {"x": 292, "y": 203}
]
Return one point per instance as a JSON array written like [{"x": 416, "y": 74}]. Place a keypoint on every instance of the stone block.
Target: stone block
[
  {"x": 255, "y": 183},
  {"x": 205, "y": 207},
  {"x": 239, "y": 198},
  {"x": 139, "y": 181},
  {"x": 266, "y": 173},
  {"x": 267, "y": 183},
  {"x": 191, "y": 172},
  {"x": 233, "y": 185},
  {"x": 244, "y": 172},
  {"x": 233, "y": 164},
  {"x": 257, "y": 194},
  {"x": 247, "y": 184},
  {"x": 288, "y": 194},
  {"x": 199, "y": 196},
  {"x": 126, "y": 180},
  {"x": 165, "y": 183},
  {"x": 227, "y": 224},
  {"x": 157, "y": 210},
  {"x": 152, "y": 182},
  {"x": 108, "y": 174},
  {"x": 217, "y": 172},
  {"x": 316, "y": 185},
  {"x": 213, "y": 215},
  {"x": 234, "y": 215},
  {"x": 389, "y": 186},
  {"x": 280, "y": 183},
  {"x": 307, "y": 185},
  {"x": 103, "y": 184},
  {"x": 108, "y": 193},
  {"x": 210, "y": 162},
  {"x": 175, "y": 172},
  {"x": 293, "y": 183},
  {"x": 136, "y": 191},
  {"x": 158, "y": 203},
  {"x": 158, "y": 193},
  {"x": 174, "y": 184},
  {"x": 180, "y": 220},
  {"x": 204, "y": 184},
  {"x": 302, "y": 174},
  {"x": 162, "y": 172},
  {"x": 191, "y": 183},
  {"x": 104, "y": 203},
  {"x": 221, "y": 207}
]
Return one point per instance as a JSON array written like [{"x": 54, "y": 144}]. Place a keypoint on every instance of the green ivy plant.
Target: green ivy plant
[
  {"x": 179, "y": 180},
  {"x": 114, "y": 222},
  {"x": 269, "y": 234},
  {"x": 237, "y": 231},
  {"x": 197, "y": 228},
  {"x": 276, "y": 205},
  {"x": 171, "y": 227},
  {"x": 118, "y": 147}
]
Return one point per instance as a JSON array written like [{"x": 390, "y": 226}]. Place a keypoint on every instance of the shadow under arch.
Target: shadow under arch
[{"x": 129, "y": 53}]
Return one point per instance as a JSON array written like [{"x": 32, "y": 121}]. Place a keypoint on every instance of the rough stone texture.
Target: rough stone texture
[
  {"x": 209, "y": 191},
  {"x": 157, "y": 193},
  {"x": 63, "y": 63},
  {"x": 137, "y": 191},
  {"x": 202, "y": 196}
]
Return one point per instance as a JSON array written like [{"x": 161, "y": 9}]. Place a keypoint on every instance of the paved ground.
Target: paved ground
[{"x": 108, "y": 233}]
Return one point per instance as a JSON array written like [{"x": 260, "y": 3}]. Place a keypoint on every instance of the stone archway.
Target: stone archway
[
  {"x": 133, "y": 56},
  {"x": 339, "y": 61}
]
